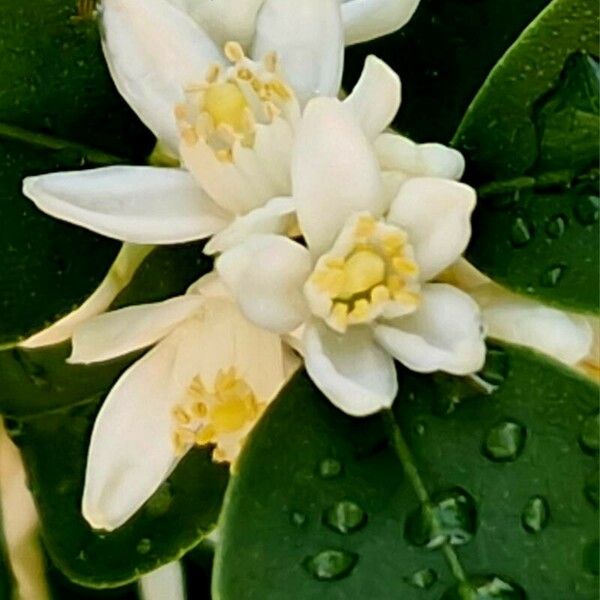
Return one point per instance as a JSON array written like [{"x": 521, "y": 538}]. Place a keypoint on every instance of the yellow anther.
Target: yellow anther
[
  {"x": 244, "y": 74},
  {"x": 360, "y": 312},
  {"x": 339, "y": 314},
  {"x": 199, "y": 410},
  {"x": 380, "y": 294},
  {"x": 404, "y": 266},
  {"x": 224, "y": 155},
  {"x": 181, "y": 415},
  {"x": 282, "y": 90},
  {"x": 362, "y": 271},
  {"x": 226, "y": 104},
  {"x": 365, "y": 227},
  {"x": 189, "y": 136},
  {"x": 219, "y": 455},
  {"x": 212, "y": 73},
  {"x": 393, "y": 243},
  {"x": 206, "y": 435},
  {"x": 234, "y": 52}
]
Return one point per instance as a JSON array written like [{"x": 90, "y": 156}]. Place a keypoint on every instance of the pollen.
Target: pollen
[
  {"x": 225, "y": 103},
  {"x": 220, "y": 416},
  {"x": 370, "y": 272}
]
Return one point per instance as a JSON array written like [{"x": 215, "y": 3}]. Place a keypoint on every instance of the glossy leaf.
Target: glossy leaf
[
  {"x": 58, "y": 111},
  {"x": 531, "y": 139},
  {"x": 481, "y": 460}
]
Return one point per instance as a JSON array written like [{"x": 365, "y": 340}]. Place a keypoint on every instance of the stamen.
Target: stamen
[
  {"x": 370, "y": 271},
  {"x": 234, "y": 52},
  {"x": 270, "y": 61},
  {"x": 213, "y": 72}
]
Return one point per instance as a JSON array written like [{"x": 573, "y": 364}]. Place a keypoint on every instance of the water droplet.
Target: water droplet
[
  {"x": 422, "y": 579},
  {"x": 552, "y": 275},
  {"x": 589, "y": 438},
  {"x": 521, "y": 233},
  {"x": 591, "y": 558},
  {"x": 485, "y": 588},
  {"x": 587, "y": 209},
  {"x": 590, "y": 488},
  {"x": 330, "y": 565},
  {"x": 345, "y": 517},
  {"x": 535, "y": 515},
  {"x": 144, "y": 546},
  {"x": 160, "y": 501},
  {"x": 298, "y": 518},
  {"x": 329, "y": 468},
  {"x": 505, "y": 441},
  {"x": 556, "y": 226},
  {"x": 451, "y": 517},
  {"x": 495, "y": 369}
]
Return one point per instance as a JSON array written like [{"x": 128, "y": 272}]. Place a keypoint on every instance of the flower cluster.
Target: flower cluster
[{"x": 336, "y": 239}]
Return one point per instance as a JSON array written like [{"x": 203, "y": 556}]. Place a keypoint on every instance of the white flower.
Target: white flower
[
  {"x": 237, "y": 133},
  {"x": 568, "y": 337},
  {"x": 361, "y": 287},
  {"x": 206, "y": 381}
]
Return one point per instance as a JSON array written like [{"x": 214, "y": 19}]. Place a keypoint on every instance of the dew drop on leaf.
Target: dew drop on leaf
[
  {"x": 552, "y": 275},
  {"x": 329, "y": 468},
  {"x": 332, "y": 564},
  {"x": 345, "y": 517},
  {"x": 298, "y": 518},
  {"x": 144, "y": 546},
  {"x": 485, "y": 588},
  {"x": 450, "y": 517},
  {"x": 504, "y": 442},
  {"x": 586, "y": 210},
  {"x": 521, "y": 233},
  {"x": 422, "y": 579},
  {"x": 556, "y": 226},
  {"x": 535, "y": 515}
]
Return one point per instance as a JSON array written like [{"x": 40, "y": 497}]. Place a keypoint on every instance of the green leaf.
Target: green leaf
[
  {"x": 502, "y": 132},
  {"x": 531, "y": 139},
  {"x": 54, "y": 405},
  {"x": 58, "y": 111},
  {"x": 443, "y": 55},
  {"x": 186, "y": 507},
  {"x": 494, "y": 485}
]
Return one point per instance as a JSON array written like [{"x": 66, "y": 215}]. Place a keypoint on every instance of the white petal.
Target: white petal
[
  {"x": 351, "y": 369},
  {"x": 131, "y": 449},
  {"x": 153, "y": 51},
  {"x": 165, "y": 582},
  {"x": 443, "y": 334},
  {"x": 122, "y": 331},
  {"x": 222, "y": 180},
  {"x": 20, "y": 526},
  {"x": 308, "y": 36},
  {"x": 368, "y": 19},
  {"x": 334, "y": 172},
  {"x": 225, "y": 21},
  {"x": 375, "y": 99},
  {"x": 566, "y": 337},
  {"x": 436, "y": 214},
  {"x": 122, "y": 270},
  {"x": 276, "y": 216},
  {"x": 397, "y": 153},
  {"x": 266, "y": 274},
  {"x": 142, "y": 205}
]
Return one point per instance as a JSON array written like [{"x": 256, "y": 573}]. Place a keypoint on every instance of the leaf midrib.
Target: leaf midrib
[{"x": 50, "y": 142}]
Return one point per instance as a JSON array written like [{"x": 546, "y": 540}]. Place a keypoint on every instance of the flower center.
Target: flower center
[
  {"x": 370, "y": 272},
  {"x": 229, "y": 105},
  {"x": 222, "y": 416}
]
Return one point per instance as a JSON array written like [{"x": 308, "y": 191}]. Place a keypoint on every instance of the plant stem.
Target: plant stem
[{"x": 412, "y": 473}]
